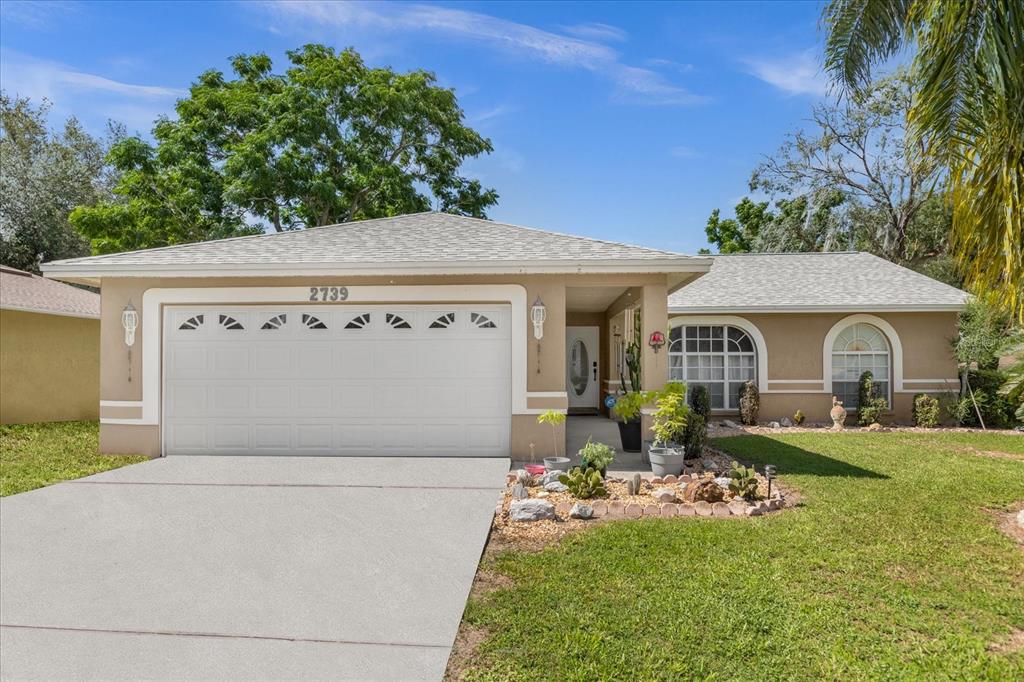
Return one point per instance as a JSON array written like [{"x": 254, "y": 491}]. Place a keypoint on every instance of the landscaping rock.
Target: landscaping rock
[
  {"x": 616, "y": 507},
  {"x": 720, "y": 509},
  {"x": 519, "y": 492},
  {"x": 710, "y": 465},
  {"x": 686, "y": 510},
  {"x": 668, "y": 510},
  {"x": 556, "y": 487},
  {"x": 663, "y": 495},
  {"x": 875, "y": 426},
  {"x": 702, "y": 490},
  {"x": 775, "y": 425},
  {"x": 723, "y": 482},
  {"x": 581, "y": 511},
  {"x": 633, "y": 511},
  {"x": 550, "y": 477},
  {"x": 753, "y": 510},
  {"x": 600, "y": 509},
  {"x": 786, "y": 422},
  {"x": 670, "y": 479},
  {"x": 738, "y": 507},
  {"x": 728, "y": 423},
  {"x": 657, "y": 480},
  {"x": 702, "y": 508},
  {"x": 510, "y": 477},
  {"x": 543, "y": 493},
  {"x": 684, "y": 479},
  {"x": 531, "y": 510}
]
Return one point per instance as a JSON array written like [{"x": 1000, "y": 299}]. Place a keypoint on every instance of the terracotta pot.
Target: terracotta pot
[{"x": 838, "y": 413}]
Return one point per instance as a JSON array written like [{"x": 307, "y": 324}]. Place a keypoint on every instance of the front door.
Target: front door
[{"x": 581, "y": 381}]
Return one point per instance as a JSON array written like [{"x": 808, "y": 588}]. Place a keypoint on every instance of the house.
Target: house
[
  {"x": 431, "y": 334},
  {"x": 49, "y": 350}
]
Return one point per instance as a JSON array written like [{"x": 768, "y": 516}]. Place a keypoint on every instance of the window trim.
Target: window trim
[
  {"x": 725, "y": 354},
  {"x": 760, "y": 346},
  {"x": 895, "y": 350}
]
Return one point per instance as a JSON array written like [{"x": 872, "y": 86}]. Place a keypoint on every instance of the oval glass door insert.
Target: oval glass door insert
[{"x": 579, "y": 364}]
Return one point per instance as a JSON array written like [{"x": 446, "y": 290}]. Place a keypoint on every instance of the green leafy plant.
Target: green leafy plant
[
  {"x": 750, "y": 403},
  {"x": 870, "y": 405},
  {"x": 926, "y": 411},
  {"x": 696, "y": 434},
  {"x": 799, "y": 418},
  {"x": 670, "y": 413},
  {"x": 555, "y": 418},
  {"x": 633, "y": 351},
  {"x": 628, "y": 405},
  {"x": 584, "y": 483},
  {"x": 743, "y": 482},
  {"x": 596, "y": 455}
]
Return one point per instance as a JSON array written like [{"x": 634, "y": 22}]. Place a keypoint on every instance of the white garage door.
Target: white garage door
[{"x": 337, "y": 380}]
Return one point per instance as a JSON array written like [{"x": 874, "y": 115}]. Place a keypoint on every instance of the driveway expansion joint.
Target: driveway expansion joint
[{"x": 221, "y": 635}]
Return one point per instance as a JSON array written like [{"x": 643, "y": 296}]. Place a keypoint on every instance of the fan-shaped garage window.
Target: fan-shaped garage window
[
  {"x": 229, "y": 322},
  {"x": 192, "y": 323},
  {"x": 312, "y": 322},
  {"x": 396, "y": 321},
  {"x": 482, "y": 321},
  {"x": 859, "y": 348},
  {"x": 443, "y": 322},
  {"x": 276, "y": 322},
  {"x": 359, "y": 321},
  {"x": 719, "y": 357}
]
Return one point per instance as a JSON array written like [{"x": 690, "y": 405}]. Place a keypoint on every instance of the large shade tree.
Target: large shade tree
[
  {"x": 329, "y": 141},
  {"x": 968, "y": 107}
]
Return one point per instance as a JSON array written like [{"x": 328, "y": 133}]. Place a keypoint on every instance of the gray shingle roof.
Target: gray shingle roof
[
  {"x": 809, "y": 281},
  {"x": 436, "y": 238},
  {"x": 21, "y": 290}
]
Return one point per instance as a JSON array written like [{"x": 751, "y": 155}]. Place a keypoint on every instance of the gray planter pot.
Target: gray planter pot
[
  {"x": 556, "y": 463},
  {"x": 665, "y": 461}
]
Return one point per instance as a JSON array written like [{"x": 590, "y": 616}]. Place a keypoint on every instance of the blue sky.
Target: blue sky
[{"x": 628, "y": 122}]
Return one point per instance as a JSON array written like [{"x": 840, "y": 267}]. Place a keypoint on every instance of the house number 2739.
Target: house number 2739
[{"x": 328, "y": 293}]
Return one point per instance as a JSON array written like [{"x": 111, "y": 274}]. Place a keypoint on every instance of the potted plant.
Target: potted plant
[
  {"x": 669, "y": 425},
  {"x": 596, "y": 456},
  {"x": 555, "y": 418},
  {"x": 627, "y": 409}
]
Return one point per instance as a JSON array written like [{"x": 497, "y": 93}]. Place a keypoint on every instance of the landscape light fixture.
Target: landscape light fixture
[{"x": 769, "y": 473}]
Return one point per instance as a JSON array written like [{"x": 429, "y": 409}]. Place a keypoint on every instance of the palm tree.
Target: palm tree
[{"x": 969, "y": 105}]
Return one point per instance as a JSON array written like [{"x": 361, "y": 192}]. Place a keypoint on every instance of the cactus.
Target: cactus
[
  {"x": 633, "y": 486},
  {"x": 744, "y": 482},
  {"x": 584, "y": 484},
  {"x": 526, "y": 478}
]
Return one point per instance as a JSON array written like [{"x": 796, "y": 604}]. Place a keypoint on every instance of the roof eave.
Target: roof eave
[
  {"x": 878, "y": 308},
  {"x": 90, "y": 273},
  {"x": 47, "y": 311}
]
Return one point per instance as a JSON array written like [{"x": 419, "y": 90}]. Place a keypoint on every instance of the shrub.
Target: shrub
[
  {"x": 996, "y": 410},
  {"x": 628, "y": 405},
  {"x": 596, "y": 455},
  {"x": 870, "y": 406},
  {"x": 750, "y": 403},
  {"x": 696, "y": 434},
  {"x": 555, "y": 418},
  {"x": 799, "y": 417},
  {"x": 743, "y": 483},
  {"x": 584, "y": 483},
  {"x": 926, "y": 411},
  {"x": 669, "y": 419}
]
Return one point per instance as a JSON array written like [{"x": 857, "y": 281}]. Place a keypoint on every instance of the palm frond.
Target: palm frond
[{"x": 861, "y": 33}]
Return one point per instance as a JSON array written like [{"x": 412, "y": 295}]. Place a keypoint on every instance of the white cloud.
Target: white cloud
[
  {"x": 37, "y": 15},
  {"x": 86, "y": 95},
  {"x": 683, "y": 152},
  {"x": 597, "y": 31},
  {"x": 669, "y": 64},
  {"x": 795, "y": 74},
  {"x": 488, "y": 114},
  {"x": 633, "y": 83}
]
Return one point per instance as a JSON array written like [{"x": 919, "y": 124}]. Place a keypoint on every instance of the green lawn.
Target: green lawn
[
  {"x": 891, "y": 569},
  {"x": 34, "y": 455}
]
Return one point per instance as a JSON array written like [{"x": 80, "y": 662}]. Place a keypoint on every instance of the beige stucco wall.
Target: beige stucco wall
[
  {"x": 545, "y": 359},
  {"x": 795, "y": 344},
  {"x": 49, "y": 367}
]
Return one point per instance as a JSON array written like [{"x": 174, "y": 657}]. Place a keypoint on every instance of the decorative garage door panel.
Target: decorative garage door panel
[{"x": 337, "y": 380}]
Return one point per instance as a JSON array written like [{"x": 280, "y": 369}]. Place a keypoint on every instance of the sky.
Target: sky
[{"x": 621, "y": 121}]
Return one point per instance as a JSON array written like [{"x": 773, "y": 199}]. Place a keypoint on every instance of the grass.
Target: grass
[
  {"x": 892, "y": 568},
  {"x": 36, "y": 455}
]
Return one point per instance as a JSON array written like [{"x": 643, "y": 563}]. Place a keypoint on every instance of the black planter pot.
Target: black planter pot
[
  {"x": 587, "y": 465},
  {"x": 629, "y": 432}
]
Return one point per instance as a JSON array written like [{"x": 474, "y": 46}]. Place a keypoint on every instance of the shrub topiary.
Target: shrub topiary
[
  {"x": 926, "y": 411},
  {"x": 750, "y": 403},
  {"x": 696, "y": 434},
  {"x": 870, "y": 406}
]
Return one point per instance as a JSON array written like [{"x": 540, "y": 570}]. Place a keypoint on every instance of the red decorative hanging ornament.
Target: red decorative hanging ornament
[{"x": 656, "y": 341}]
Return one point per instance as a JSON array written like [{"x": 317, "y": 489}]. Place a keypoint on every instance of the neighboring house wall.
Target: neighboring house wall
[
  {"x": 793, "y": 344},
  {"x": 122, "y": 429},
  {"x": 49, "y": 367}
]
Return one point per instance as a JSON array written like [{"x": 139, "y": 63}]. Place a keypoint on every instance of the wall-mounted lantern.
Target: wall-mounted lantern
[
  {"x": 656, "y": 341},
  {"x": 538, "y": 313},
  {"x": 129, "y": 320}
]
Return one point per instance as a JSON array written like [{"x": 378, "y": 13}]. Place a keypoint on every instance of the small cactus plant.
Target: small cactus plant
[
  {"x": 633, "y": 485},
  {"x": 744, "y": 482},
  {"x": 584, "y": 484}
]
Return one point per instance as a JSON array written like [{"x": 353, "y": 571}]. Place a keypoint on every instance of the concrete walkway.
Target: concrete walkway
[
  {"x": 578, "y": 428},
  {"x": 192, "y": 568}
]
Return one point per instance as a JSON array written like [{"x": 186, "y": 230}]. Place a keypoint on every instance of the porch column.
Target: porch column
[{"x": 653, "y": 366}]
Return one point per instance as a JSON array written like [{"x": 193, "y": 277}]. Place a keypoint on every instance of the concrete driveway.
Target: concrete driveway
[{"x": 244, "y": 568}]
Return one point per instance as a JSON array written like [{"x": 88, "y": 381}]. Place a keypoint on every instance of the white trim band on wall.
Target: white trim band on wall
[
  {"x": 154, "y": 299},
  {"x": 884, "y": 327},
  {"x": 120, "y": 403},
  {"x": 547, "y": 394},
  {"x": 760, "y": 346}
]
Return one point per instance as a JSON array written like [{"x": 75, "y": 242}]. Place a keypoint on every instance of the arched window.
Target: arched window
[
  {"x": 858, "y": 348},
  {"x": 719, "y": 357}
]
